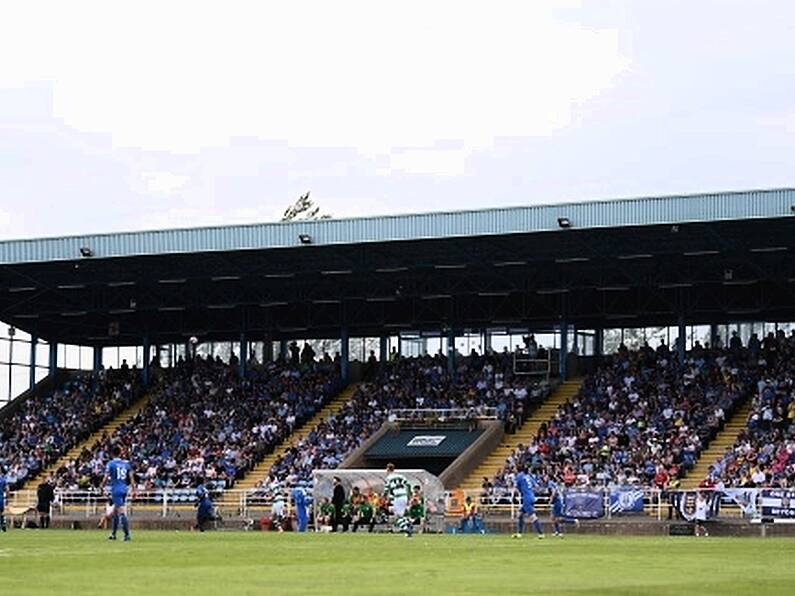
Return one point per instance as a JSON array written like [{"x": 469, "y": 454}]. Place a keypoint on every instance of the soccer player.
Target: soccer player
[
  {"x": 556, "y": 501},
  {"x": 701, "y": 515},
  {"x": 204, "y": 506},
  {"x": 398, "y": 488},
  {"x": 119, "y": 473},
  {"x": 278, "y": 514},
  {"x": 3, "y": 490},
  {"x": 525, "y": 484},
  {"x": 301, "y": 515}
]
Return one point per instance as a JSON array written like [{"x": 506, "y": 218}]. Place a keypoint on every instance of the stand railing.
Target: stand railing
[
  {"x": 744, "y": 503},
  {"x": 442, "y": 414},
  {"x": 525, "y": 364},
  {"x": 247, "y": 503}
]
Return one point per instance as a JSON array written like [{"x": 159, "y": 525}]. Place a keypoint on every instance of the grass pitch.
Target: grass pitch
[{"x": 220, "y": 563}]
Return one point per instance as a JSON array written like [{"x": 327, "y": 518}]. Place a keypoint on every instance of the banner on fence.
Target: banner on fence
[
  {"x": 583, "y": 504},
  {"x": 685, "y": 503},
  {"x": 778, "y": 502},
  {"x": 626, "y": 500},
  {"x": 744, "y": 497}
]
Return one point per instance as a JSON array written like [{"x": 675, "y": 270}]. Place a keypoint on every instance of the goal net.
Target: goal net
[{"x": 371, "y": 482}]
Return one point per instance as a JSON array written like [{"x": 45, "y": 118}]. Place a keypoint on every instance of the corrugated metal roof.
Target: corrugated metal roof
[{"x": 509, "y": 220}]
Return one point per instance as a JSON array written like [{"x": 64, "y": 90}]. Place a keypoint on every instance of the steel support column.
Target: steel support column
[
  {"x": 53, "y": 358},
  {"x": 598, "y": 341},
  {"x": 344, "y": 354},
  {"x": 382, "y": 355},
  {"x": 283, "y": 350},
  {"x": 267, "y": 349},
  {"x": 564, "y": 349},
  {"x": 32, "y": 379},
  {"x": 243, "y": 354},
  {"x": 97, "y": 365},
  {"x": 682, "y": 339},
  {"x": 147, "y": 357},
  {"x": 451, "y": 351},
  {"x": 486, "y": 341}
]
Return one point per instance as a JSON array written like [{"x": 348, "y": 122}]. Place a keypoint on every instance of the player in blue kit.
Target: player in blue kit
[
  {"x": 301, "y": 515},
  {"x": 204, "y": 506},
  {"x": 119, "y": 474},
  {"x": 3, "y": 490},
  {"x": 525, "y": 484},
  {"x": 556, "y": 504}
]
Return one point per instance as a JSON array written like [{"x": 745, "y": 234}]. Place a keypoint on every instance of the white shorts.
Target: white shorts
[
  {"x": 399, "y": 506},
  {"x": 277, "y": 509},
  {"x": 109, "y": 510}
]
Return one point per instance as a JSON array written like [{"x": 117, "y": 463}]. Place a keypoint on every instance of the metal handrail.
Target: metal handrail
[
  {"x": 656, "y": 501},
  {"x": 243, "y": 502},
  {"x": 413, "y": 414}
]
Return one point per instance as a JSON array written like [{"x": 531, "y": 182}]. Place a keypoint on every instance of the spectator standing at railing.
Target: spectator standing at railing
[
  {"x": 295, "y": 353},
  {"x": 531, "y": 346}
]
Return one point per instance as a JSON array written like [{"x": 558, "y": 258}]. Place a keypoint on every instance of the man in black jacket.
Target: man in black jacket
[
  {"x": 45, "y": 495},
  {"x": 338, "y": 500}
]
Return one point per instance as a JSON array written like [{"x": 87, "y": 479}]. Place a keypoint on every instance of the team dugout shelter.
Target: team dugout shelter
[{"x": 571, "y": 272}]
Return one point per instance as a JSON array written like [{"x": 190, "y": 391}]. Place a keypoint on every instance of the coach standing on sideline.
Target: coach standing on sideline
[
  {"x": 45, "y": 495},
  {"x": 338, "y": 500}
]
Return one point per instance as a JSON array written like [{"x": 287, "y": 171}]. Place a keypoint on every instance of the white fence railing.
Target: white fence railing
[
  {"x": 524, "y": 364},
  {"x": 163, "y": 503},
  {"x": 255, "y": 502},
  {"x": 442, "y": 414},
  {"x": 660, "y": 504}
]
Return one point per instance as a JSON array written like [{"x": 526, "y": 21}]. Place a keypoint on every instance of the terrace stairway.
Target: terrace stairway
[
  {"x": 725, "y": 439},
  {"x": 109, "y": 428},
  {"x": 260, "y": 471},
  {"x": 496, "y": 459}
]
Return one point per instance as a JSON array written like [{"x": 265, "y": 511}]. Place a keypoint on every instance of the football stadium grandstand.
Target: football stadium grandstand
[{"x": 636, "y": 357}]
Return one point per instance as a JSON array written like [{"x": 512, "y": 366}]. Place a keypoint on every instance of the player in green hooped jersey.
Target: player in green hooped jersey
[{"x": 398, "y": 488}]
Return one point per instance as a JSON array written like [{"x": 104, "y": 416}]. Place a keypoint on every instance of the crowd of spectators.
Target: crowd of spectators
[
  {"x": 764, "y": 453},
  {"x": 204, "y": 423},
  {"x": 477, "y": 382},
  {"x": 47, "y": 426},
  {"x": 642, "y": 418}
]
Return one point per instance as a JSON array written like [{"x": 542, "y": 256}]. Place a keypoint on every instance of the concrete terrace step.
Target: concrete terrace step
[{"x": 496, "y": 459}]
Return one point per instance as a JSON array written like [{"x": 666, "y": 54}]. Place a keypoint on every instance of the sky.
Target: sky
[{"x": 152, "y": 115}]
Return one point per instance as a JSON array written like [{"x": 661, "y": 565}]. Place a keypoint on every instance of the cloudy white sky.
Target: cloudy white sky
[{"x": 182, "y": 113}]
